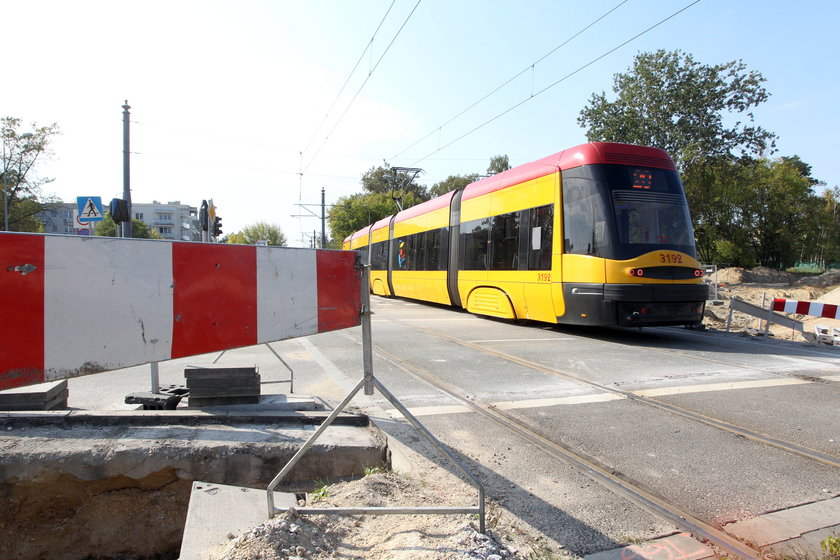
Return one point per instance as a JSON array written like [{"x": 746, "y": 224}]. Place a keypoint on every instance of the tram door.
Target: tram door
[{"x": 537, "y": 244}]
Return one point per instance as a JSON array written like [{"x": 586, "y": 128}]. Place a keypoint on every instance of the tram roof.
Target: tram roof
[
  {"x": 585, "y": 154},
  {"x": 436, "y": 203}
]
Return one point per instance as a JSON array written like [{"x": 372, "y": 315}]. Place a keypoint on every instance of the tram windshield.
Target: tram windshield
[{"x": 621, "y": 212}]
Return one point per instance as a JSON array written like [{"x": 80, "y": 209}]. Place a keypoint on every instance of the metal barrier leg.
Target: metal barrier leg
[
  {"x": 369, "y": 382},
  {"x": 291, "y": 371}
]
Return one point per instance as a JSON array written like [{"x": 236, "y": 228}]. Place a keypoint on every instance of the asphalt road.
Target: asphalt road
[{"x": 566, "y": 383}]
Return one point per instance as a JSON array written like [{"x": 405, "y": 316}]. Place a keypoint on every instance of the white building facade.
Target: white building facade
[{"x": 172, "y": 220}]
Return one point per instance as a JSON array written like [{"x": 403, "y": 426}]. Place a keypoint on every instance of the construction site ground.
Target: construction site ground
[
  {"x": 418, "y": 481},
  {"x": 760, "y": 286}
]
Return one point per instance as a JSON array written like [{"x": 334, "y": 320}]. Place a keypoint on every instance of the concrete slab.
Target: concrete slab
[
  {"x": 43, "y": 396},
  {"x": 218, "y": 510},
  {"x": 268, "y": 403},
  {"x": 681, "y": 546},
  {"x": 788, "y": 524},
  {"x": 805, "y": 546}
]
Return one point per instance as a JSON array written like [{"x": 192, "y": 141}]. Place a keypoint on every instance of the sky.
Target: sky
[{"x": 256, "y": 105}]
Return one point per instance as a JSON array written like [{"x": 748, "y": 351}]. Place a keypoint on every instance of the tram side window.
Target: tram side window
[
  {"x": 584, "y": 219},
  {"x": 379, "y": 256},
  {"x": 402, "y": 253},
  {"x": 363, "y": 254},
  {"x": 419, "y": 246},
  {"x": 540, "y": 239},
  {"x": 474, "y": 239},
  {"x": 505, "y": 242},
  {"x": 433, "y": 249}
]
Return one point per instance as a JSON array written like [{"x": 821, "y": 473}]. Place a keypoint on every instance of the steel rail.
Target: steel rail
[
  {"x": 609, "y": 478},
  {"x": 788, "y": 447}
]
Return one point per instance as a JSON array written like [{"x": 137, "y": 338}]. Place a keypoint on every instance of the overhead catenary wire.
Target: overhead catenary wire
[
  {"x": 512, "y": 78},
  {"x": 370, "y": 73},
  {"x": 347, "y": 81},
  {"x": 548, "y": 87}
]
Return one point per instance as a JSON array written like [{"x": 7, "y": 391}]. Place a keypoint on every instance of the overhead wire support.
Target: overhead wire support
[
  {"x": 370, "y": 73},
  {"x": 520, "y": 73},
  {"x": 564, "y": 78}
]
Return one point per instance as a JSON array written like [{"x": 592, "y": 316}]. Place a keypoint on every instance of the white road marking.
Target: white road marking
[
  {"x": 519, "y": 340},
  {"x": 514, "y": 405},
  {"x": 707, "y": 387}
]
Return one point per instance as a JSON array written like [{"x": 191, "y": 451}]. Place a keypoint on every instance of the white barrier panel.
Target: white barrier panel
[{"x": 76, "y": 305}]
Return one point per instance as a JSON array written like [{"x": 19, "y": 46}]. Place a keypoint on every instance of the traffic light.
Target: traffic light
[
  {"x": 202, "y": 216},
  {"x": 217, "y": 226},
  {"x": 119, "y": 210}
]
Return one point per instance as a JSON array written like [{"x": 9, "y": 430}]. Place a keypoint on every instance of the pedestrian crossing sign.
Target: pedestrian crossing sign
[{"x": 90, "y": 208}]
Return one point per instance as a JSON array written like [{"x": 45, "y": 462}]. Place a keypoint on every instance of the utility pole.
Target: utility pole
[
  {"x": 126, "y": 226},
  {"x": 323, "y": 218}
]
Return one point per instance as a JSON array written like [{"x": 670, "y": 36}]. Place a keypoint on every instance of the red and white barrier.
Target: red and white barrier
[
  {"x": 812, "y": 308},
  {"x": 76, "y": 305}
]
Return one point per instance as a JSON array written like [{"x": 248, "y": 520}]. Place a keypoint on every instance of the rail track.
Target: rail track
[{"x": 615, "y": 481}]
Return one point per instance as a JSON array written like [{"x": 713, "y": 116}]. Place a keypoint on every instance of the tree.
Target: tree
[
  {"x": 777, "y": 210},
  {"x": 384, "y": 179},
  {"x": 453, "y": 182},
  {"x": 21, "y": 187},
  {"x": 352, "y": 213},
  {"x": 139, "y": 230},
  {"x": 260, "y": 231},
  {"x": 821, "y": 244},
  {"x": 498, "y": 164},
  {"x": 670, "y": 101}
]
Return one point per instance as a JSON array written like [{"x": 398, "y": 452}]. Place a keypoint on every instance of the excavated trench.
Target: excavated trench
[{"x": 89, "y": 487}]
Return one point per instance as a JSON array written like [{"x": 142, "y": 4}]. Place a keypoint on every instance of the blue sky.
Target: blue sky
[{"x": 226, "y": 95}]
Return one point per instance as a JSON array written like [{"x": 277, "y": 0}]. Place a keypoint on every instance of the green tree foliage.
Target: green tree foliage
[
  {"x": 383, "y": 179},
  {"x": 139, "y": 230},
  {"x": 821, "y": 245},
  {"x": 747, "y": 209},
  {"x": 21, "y": 152},
  {"x": 670, "y": 101},
  {"x": 498, "y": 164},
  {"x": 260, "y": 231},
  {"x": 352, "y": 213},
  {"x": 451, "y": 183},
  {"x": 777, "y": 212}
]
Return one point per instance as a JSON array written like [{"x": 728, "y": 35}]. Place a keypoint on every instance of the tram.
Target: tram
[{"x": 598, "y": 234}]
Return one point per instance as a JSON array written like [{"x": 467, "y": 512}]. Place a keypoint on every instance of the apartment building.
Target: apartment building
[{"x": 172, "y": 220}]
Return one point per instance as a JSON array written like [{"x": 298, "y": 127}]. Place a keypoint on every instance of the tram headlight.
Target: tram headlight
[{"x": 639, "y": 272}]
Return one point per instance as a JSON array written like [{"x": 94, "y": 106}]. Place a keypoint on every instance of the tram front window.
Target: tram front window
[
  {"x": 647, "y": 204},
  {"x": 651, "y": 219}
]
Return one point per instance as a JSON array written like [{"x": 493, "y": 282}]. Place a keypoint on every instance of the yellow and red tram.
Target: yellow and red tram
[{"x": 598, "y": 234}]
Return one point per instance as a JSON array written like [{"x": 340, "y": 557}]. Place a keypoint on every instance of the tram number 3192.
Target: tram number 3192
[
  {"x": 670, "y": 259},
  {"x": 543, "y": 277}
]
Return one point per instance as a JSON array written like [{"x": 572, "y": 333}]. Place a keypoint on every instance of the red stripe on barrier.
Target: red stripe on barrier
[
  {"x": 22, "y": 304},
  {"x": 803, "y": 307},
  {"x": 215, "y": 298},
  {"x": 829, "y": 310},
  {"x": 779, "y": 304},
  {"x": 339, "y": 285}
]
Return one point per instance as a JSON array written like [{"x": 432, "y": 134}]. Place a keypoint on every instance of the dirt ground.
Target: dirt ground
[
  {"x": 388, "y": 537},
  {"x": 760, "y": 286},
  {"x": 450, "y": 537}
]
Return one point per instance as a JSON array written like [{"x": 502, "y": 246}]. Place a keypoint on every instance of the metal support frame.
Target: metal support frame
[
  {"x": 290, "y": 380},
  {"x": 369, "y": 382}
]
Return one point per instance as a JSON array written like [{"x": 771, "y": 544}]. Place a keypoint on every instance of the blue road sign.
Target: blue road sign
[{"x": 90, "y": 208}]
